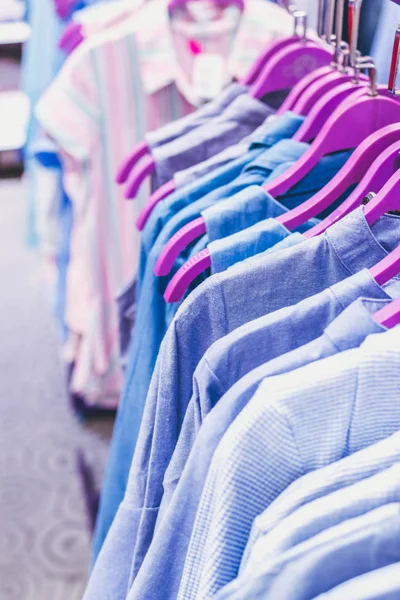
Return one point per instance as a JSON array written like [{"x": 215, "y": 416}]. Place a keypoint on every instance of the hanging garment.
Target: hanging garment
[
  {"x": 183, "y": 486},
  {"x": 353, "y": 547},
  {"x": 321, "y": 514},
  {"x": 381, "y": 583},
  {"x": 106, "y": 126},
  {"x": 339, "y": 406},
  {"x": 152, "y": 315}
]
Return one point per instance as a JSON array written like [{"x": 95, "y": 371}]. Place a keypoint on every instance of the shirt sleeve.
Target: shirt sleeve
[{"x": 69, "y": 110}]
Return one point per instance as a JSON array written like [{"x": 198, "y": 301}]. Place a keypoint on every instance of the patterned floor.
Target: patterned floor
[{"x": 44, "y": 536}]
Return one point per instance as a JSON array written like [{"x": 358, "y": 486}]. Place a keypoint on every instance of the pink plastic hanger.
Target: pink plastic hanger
[
  {"x": 319, "y": 75},
  {"x": 389, "y": 316}
]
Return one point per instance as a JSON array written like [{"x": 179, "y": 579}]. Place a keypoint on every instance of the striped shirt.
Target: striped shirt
[
  {"x": 294, "y": 424},
  {"x": 112, "y": 89}
]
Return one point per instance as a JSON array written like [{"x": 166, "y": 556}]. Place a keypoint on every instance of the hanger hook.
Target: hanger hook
[
  {"x": 300, "y": 24},
  {"x": 367, "y": 62},
  {"x": 354, "y": 27},
  {"x": 340, "y": 46},
  {"x": 394, "y": 65}
]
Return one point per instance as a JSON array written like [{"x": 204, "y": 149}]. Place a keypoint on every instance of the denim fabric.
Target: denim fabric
[
  {"x": 282, "y": 128},
  {"x": 381, "y": 583},
  {"x": 321, "y": 514},
  {"x": 149, "y": 330},
  {"x": 346, "y": 550},
  {"x": 356, "y": 547},
  {"x": 167, "y": 553},
  {"x": 220, "y": 305},
  {"x": 184, "y": 125},
  {"x": 237, "y": 120},
  {"x": 319, "y": 414}
]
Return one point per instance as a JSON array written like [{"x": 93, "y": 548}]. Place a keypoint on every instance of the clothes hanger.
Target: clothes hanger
[
  {"x": 300, "y": 32},
  {"x": 300, "y": 21},
  {"x": 357, "y": 165},
  {"x": 349, "y": 125},
  {"x": 289, "y": 65},
  {"x": 147, "y": 167},
  {"x": 386, "y": 200},
  {"x": 64, "y": 7},
  {"x": 71, "y": 38},
  {"x": 389, "y": 316},
  {"x": 196, "y": 228},
  {"x": 384, "y": 159},
  {"x": 366, "y": 115}
]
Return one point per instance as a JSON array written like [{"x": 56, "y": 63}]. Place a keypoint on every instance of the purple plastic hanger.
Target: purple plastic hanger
[
  {"x": 169, "y": 187},
  {"x": 65, "y": 7},
  {"x": 382, "y": 150},
  {"x": 319, "y": 75},
  {"x": 139, "y": 151},
  {"x": 359, "y": 116},
  {"x": 386, "y": 200},
  {"x": 389, "y": 316},
  {"x": 289, "y": 66},
  {"x": 70, "y": 34},
  {"x": 146, "y": 168},
  {"x": 163, "y": 191}
]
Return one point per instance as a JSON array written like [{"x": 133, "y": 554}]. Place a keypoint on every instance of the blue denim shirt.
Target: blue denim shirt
[{"x": 151, "y": 324}]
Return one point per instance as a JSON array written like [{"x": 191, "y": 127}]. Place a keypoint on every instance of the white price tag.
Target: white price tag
[{"x": 209, "y": 75}]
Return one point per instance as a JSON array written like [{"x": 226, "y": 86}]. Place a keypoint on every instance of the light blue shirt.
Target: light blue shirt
[
  {"x": 319, "y": 414},
  {"x": 266, "y": 137},
  {"x": 380, "y": 584},
  {"x": 234, "y": 366},
  {"x": 153, "y": 318},
  {"x": 219, "y": 306},
  {"x": 372, "y": 546},
  {"x": 310, "y": 520}
]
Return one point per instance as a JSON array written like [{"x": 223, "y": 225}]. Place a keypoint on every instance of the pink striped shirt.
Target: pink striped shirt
[{"x": 112, "y": 90}]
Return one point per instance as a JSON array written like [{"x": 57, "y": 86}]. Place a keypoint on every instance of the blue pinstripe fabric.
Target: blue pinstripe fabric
[
  {"x": 317, "y": 415},
  {"x": 275, "y": 549},
  {"x": 374, "y": 542}
]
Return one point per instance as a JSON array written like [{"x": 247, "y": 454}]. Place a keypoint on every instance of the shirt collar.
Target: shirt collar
[
  {"x": 355, "y": 242},
  {"x": 260, "y": 23},
  {"x": 282, "y": 152},
  {"x": 356, "y": 322}
]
